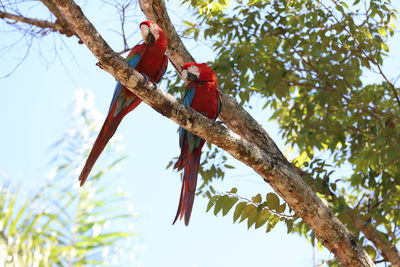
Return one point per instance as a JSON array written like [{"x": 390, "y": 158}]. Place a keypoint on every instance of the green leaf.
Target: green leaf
[
  {"x": 371, "y": 251},
  {"x": 10, "y": 208},
  {"x": 368, "y": 34},
  {"x": 382, "y": 31},
  {"x": 15, "y": 221},
  {"x": 212, "y": 189},
  {"x": 252, "y": 215},
  {"x": 219, "y": 204},
  {"x": 169, "y": 164},
  {"x": 196, "y": 34},
  {"x": 356, "y": 179},
  {"x": 245, "y": 212},
  {"x": 233, "y": 190},
  {"x": 273, "y": 220},
  {"x": 385, "y": 47},
  {"x": 272, "y": 201},
  {"x": 262, "y": 218},
  {"x": 257, "y": 198},
  {"x": 281, "y": 208},
  {"x": 238, "y": 210},
  {"x": 333, "y": 186},
  {"x": 211, "y": 202},
  {"x": 344, "y": 4},
  {"x": 228, "y": 205},
  {"x": 228, "y": 166},
  {"x": 188, "y": 23},
  {"x": 289, "y": 225}
]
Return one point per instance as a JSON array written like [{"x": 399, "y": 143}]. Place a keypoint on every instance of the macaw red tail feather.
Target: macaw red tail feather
[
  {"x": 181, "y": 162},
  {"x": 107, "y": 131},
  {"x": 191, "y": 162}
]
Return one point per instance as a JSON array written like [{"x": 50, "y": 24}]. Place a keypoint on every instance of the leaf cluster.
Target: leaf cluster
[{"x": 256, "y": 211}]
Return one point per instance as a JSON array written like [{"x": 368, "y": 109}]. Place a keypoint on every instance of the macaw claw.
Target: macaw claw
[{"x": 154, "y": 87}]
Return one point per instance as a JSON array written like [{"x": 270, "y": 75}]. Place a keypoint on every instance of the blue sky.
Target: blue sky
[{"x": 35, "y": 102}]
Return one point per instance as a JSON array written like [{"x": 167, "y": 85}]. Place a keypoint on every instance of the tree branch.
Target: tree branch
[
  {"x": 272, "y": 167},
  {"x": 387, "y": 249},
  {"x": 44, "y": 24},
  {"x": 66, "y": 29}
]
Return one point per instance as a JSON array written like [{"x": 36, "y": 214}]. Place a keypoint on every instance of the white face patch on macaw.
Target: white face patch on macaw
[
  {"x": 145, "y": 31},
  {"x": 193, "y": 70}
]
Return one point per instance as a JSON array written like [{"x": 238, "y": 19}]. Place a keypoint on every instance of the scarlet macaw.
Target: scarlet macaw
[
  {"x": 147, "y": 58},
  {"x": 201, "y": 94}
]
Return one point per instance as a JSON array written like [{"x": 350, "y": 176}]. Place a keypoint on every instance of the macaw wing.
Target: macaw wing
[
  {"x": 133, "y": 59},
  {"x": 187, "y": 101},
  {"x": 188, "y": 97},
  {"x": 185, "y": 136},
  {"x": 163, "y": 68}
]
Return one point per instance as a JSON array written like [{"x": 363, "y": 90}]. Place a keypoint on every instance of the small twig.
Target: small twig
[
  {"x": 123, "y": 8},
  {"x": 125, "y": 50}
]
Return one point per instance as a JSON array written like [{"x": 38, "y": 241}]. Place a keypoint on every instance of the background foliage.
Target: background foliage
[{"x": 62, "y": 224}]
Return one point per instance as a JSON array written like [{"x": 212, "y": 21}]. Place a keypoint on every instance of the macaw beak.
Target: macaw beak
[
  {"x": 191, "y": 77},
  {"x": 150, "y": 38}
]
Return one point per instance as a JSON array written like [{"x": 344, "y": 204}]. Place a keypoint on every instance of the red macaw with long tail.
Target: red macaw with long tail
[
  {"x": 147, "y": 58},
  {"x": 201, "y": 94}
]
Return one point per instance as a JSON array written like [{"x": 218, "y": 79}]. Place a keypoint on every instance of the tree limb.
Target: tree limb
[
  {"x": 387, "y": 249},
  {"x": 44, "y": 24},
  {"x": 272, "y": 167}
]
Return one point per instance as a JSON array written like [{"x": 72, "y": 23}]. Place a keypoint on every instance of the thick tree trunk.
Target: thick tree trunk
[{"x": 264, "y": 158}]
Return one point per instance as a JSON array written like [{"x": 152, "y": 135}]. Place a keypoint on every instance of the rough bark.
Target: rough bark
[
  {"x": 274, "y": 168},
  {"x": 66, "y": 29}
]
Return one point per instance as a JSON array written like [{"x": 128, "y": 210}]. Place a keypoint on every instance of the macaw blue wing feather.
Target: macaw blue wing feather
[
  {"x": 189, "y": 94},
  {"x": 133, "y": 59},
  {"x": 186, "y": 136}
]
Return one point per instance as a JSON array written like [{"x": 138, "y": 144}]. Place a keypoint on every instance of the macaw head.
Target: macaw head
[
  {"x": 153, "y": 35},
  {"x": 197, "y": 72}
]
